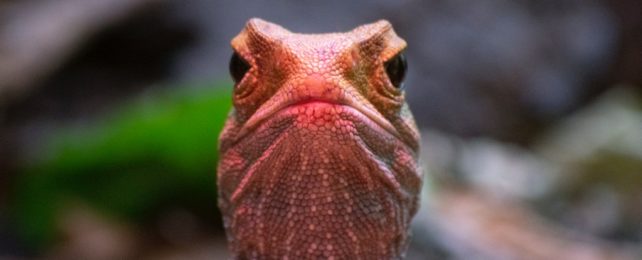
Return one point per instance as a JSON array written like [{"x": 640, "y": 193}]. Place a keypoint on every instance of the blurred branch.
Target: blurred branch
[
  {"x": 90, "y": 235},
  {"x": 473, "y": 225},
  {"x": 36, "y": 37},
  {"x": 490, "y": 197}
]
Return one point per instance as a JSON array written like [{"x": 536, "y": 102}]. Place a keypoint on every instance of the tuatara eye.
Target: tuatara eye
[
  {"x": 396, "y": 70},
  {"x": 238, "y": 67}
]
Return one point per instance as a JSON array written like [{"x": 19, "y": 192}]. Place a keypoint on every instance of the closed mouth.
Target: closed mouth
[{"x": 259, "y": 118}]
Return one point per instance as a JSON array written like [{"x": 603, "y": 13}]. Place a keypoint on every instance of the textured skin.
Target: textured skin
[{"x": 319, "y": 155}]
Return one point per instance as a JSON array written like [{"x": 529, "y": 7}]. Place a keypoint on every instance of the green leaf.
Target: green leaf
[{"x": 150, "y": 154}]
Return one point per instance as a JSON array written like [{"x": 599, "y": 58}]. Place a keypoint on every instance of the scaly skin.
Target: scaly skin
[{"x": 319, "y": 155}]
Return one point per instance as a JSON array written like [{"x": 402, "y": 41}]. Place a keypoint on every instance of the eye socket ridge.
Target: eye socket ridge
[
  {"x": 238, "y": 67},
  {"x": 396, "y": 70}
]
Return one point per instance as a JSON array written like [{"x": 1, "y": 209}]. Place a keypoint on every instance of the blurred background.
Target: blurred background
[{"x": 531, "y": 114}]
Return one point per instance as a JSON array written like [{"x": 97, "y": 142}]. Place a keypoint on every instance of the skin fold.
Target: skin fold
[{"x": 318, "y": 158}]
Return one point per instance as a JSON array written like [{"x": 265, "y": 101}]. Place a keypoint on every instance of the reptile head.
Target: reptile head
[
  {"x": 362, "y": 69},
  {"x": 319, "y": 155}
]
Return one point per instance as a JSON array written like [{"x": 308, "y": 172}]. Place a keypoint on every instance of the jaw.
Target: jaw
[
  {"x": 325, "y": 134},
  {"x": 315, "y": 115},
  {"x": 315, "y": 92},
  {"x": 324, "y": 167},
  {"x": 317, "y": 126}
]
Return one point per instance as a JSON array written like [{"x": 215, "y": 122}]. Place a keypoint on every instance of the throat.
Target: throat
[
  {"x": 319, "y": 187},
  {"x": 318, "y": 161},
  {"x": 332, "y": 180}
]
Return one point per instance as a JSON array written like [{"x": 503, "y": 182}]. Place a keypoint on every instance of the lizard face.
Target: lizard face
[{"x": 320, "y": 143}]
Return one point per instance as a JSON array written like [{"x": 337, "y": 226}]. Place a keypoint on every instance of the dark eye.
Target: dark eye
[
  {"x": 238, "y": 67},
  {"x": 396, "y": 69}
]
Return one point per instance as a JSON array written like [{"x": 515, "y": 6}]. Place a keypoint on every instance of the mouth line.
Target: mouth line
[{"x": 257, "y": 120}]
